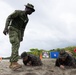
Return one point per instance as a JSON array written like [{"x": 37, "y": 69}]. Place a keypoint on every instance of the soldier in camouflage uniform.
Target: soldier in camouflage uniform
[
  {"x": 15, "y": 26},
  {"x": 30, "y": 60},
  {"x": 65, "y": 60}
]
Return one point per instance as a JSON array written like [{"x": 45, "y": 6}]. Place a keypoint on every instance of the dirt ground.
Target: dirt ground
[{"x": 48, "y": 68}]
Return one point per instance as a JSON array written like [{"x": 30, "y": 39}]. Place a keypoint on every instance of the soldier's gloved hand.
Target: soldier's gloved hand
[
  {"x": 21, "y": 39},
  {"x": 5, "y": 31}
]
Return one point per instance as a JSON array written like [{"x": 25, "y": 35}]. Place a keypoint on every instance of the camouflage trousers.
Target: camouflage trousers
[{"x": 14, "y": 37}]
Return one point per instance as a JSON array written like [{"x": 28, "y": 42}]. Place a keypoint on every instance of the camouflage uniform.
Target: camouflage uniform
[
  {"x": 70, "y": 61},
  {"x": 35, "y": 60},
  {"x": 17, "y": 22}
]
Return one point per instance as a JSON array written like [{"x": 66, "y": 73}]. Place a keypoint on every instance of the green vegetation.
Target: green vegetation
[{"x": 37, "y": 52}]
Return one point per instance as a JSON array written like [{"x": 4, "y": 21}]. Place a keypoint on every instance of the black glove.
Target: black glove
[
  {"x": 21, "y": 39},
  {"x": 5, "y": 31}
]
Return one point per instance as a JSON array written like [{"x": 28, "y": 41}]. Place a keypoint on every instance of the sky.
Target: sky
[{"x": 51, "y": 26}]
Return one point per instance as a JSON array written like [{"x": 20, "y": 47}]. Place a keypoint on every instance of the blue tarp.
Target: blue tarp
[{"x": 54, "y": 54}]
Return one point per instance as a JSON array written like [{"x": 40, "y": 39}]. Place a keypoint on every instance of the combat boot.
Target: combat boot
[{"x": 15, "y": 65}]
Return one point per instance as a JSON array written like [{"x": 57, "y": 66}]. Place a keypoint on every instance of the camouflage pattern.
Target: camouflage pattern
[
  {"x": 18, "y": 19},
  {"x": 70, "y": 61},
  {"x": 15, "y": 37},
  {"x": 35, "y": 60},
  {"x": 16, "y": 22}
]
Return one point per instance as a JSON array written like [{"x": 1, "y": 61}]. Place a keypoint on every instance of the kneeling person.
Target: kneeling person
[
  {"x": 65, "y": 59},
  {"x": 30, "y": 60}
]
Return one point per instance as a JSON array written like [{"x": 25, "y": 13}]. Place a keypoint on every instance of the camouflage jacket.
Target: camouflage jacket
[
  {"x": 69, "y": 61},
  {"x": 17, "y": 19},
  {"x": 35, "y": 60}
]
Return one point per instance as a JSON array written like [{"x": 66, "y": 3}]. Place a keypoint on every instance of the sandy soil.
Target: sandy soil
[{"x": 48, "y": 68}]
